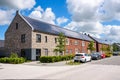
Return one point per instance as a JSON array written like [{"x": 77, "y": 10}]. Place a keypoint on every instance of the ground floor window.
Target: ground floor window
[{"x": 46, "y": 51}]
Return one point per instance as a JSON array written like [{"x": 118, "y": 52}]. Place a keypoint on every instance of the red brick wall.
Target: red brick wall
[{"x": 73, "y": 47}]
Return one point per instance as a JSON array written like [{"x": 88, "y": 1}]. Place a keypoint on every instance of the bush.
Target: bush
[
  {"x": 108, "y": 54},
  {"x": 13, "y": 55},
  {"x": 49, "y": 59},
  {"x": 13, "y": 59}
]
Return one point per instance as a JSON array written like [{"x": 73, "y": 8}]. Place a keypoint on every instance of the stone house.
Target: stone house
[{"x": 32, "y": 38}]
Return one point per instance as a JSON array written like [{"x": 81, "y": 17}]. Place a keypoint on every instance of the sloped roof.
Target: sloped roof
[
  {"x": 100, "y": 40},
  {"x": 1, "y": 43},
  {"x": 53, "y": 29}
]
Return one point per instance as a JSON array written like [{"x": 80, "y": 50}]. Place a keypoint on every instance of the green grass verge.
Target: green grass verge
[{"x": 73, "y": 63}]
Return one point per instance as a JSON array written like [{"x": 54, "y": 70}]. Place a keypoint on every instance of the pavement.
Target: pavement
[{"x": 105, "y": 69}]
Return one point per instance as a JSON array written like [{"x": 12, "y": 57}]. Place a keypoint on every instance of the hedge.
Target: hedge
[
  {"x": 50, "y": 59},
  {"x": 12, "y": 60},
  {"x": 108, "y": 54}
]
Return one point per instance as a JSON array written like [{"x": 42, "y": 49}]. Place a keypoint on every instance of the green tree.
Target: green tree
[
  {"x": 91, "y": 46},
  {"x": 103, "y": 47},
  {"x": 60, "y": 48}
]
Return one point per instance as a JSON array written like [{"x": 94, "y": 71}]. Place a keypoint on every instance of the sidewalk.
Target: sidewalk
[{"x": 37, "y": 63}]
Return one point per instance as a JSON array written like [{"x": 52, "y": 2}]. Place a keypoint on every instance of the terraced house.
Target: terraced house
[
  {"x": 100, "y": 43},
  {"x": 33, "y": 38}
]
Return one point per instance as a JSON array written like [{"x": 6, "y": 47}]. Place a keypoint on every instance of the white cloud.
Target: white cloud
[
  {"x": 87, "y": 16},
  {"x": 6, "y": 16},
  {"x": 111, "y": 10},
  {"x": 83, "y": 10},
  {"x": 18, "y": 4},
  {"x": 47, "y": 15},
  {"x": 113, "y": 33},
  {"x": 61, "y": 20}
]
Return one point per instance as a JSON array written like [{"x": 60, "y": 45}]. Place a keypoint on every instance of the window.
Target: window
[
  {"x": 46, "y": 39},
  {"x": 70, "y": 51},
  {"x": 76, "y": 42},
  {"x": 70, "y": 42},
  {"x": 16, "y": 26},
  {"x": 46, "y": 52},
  {"x": 38, "y": 38},
  {"x": 38, "y": 51},
  {"x": 67, "y": 41},
  {"x": 83, "y": 43},
  {"x": 67, "y": 51},
  {"x": 23, "y": 38},
  {"x": 55, "y": 40}
]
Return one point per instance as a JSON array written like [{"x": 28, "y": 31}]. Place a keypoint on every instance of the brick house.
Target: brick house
[
  {"x": 100, "y": 43},
  {"x": 32, "y": 38}
]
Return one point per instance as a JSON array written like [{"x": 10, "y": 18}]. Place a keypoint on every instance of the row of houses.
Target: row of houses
[{"x": 33, "y": 38}]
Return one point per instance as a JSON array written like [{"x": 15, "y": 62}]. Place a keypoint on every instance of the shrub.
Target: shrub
[
  {"x": 13, "y": 59},
  {"x": 49, "y": 59},
  {"x": 14, "y": 55},
  {"x": 108, "y": 54}
]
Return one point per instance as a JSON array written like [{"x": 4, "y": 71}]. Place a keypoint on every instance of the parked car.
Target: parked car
[
  {"x": 82, "y": 57},
  {"x": 102, "y": 55},
  {"x": 115, "y": 53},
  {"x": 95, "y": 56}
]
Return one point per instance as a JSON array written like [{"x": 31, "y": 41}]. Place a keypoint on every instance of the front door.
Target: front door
[{"x": 38, "y": 54}]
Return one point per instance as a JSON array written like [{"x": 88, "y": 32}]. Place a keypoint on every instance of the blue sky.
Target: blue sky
[{"x": 99, "y": 18}]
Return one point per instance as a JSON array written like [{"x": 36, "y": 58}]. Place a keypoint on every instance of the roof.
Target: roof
[
  {"x": 1, "y": 43},
  {"x": 53, "y": 29},
  {"x": 100, "y": 40}
]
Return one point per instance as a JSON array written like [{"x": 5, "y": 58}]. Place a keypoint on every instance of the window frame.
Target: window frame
[{"x": 38, "y": 38}]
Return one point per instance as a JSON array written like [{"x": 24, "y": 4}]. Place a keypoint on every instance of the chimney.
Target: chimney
[{"x": 17, "y": 12}]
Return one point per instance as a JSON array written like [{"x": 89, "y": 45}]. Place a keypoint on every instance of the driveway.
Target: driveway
[{"x": 105, "y": 69}]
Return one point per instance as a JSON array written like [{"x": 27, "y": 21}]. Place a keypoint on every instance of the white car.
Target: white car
[{"x": 82, "y": 57}]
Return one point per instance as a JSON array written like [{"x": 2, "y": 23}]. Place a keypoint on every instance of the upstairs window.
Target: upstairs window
[
  {"x": 46, "y": 39},
  {"x": 67, "y": 41},
  {"x": 23, "y": 38},
  {"x": 76, "y": 42},
  {"x": 83, "y": 43},
  {"x": 55, "y": 40},
  {"x": 16, "y": 26},
  {"x": 38, "y": 38}
]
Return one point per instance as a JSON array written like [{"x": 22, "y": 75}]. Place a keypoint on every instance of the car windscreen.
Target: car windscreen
[{"x": 79, "y": 55}]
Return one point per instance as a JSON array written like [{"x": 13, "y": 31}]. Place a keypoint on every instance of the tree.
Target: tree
[
  {"x": 91, "y": 46},
  {"x": 61, "y": 43},
  {"x": 103, "y": 48}
]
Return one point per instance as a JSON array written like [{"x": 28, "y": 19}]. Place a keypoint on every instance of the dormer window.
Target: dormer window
[{"x": 16, "y": 26}]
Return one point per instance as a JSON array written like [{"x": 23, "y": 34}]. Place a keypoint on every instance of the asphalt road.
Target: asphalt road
[{"x": 105, "y": 69}]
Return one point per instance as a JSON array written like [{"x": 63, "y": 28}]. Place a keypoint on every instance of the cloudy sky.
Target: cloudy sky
[{"x": 100, "y": 18}]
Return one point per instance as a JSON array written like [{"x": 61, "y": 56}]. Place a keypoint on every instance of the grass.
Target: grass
[{"x": 73, "y": 63}]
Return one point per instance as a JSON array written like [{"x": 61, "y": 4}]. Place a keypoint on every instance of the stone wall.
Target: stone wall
[
  {"x": 13, "y": 35},
  {"x": 50, "y": 44}
]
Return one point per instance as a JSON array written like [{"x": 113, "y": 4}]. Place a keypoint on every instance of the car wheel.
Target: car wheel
[
  {"x": 85, "y": 61},
  {"x": 90, "y": 60}
]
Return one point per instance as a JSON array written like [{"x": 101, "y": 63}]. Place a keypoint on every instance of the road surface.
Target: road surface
[{"x": 105, "y": 69}]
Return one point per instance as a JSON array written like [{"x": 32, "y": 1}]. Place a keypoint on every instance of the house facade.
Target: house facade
[
  {"x": 32, "y": 38},
  {"x": 100, "y": 44}
]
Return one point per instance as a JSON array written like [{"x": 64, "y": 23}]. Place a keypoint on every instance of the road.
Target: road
[{"x": 105, "y": 69}]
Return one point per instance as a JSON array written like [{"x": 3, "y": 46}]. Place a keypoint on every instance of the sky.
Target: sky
[{"x": 99, "y": 18}]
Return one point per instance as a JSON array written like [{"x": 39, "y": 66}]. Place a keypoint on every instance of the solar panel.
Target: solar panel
[{"x": 53, "y": 29}]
